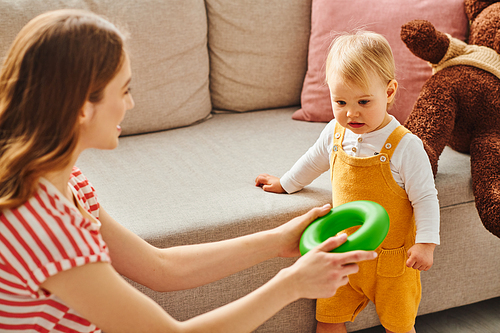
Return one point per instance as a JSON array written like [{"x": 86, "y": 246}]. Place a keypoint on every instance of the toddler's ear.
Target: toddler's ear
[
  {"x": 87, "y": 113},
  {"x": 392, "y": 87}
]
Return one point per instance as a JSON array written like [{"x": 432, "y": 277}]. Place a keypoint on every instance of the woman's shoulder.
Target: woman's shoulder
[
  {"x": 46, "y": 221},
  {"x": 45, "y": 235},
  {"x": 47, "y": 207}
]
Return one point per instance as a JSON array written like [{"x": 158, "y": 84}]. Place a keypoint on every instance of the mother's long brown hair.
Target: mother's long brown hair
[{"x": 58, "y": 61}]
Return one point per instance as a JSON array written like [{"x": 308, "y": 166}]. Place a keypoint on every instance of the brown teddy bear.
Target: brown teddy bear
[{"x": 459, "y": 105}]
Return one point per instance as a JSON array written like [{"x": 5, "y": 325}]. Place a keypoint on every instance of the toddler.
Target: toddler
[{"x": 372, "y": 157}]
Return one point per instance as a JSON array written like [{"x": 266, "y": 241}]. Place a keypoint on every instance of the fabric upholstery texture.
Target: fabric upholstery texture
[
  {"x": 330, "y": 17},
  {"x": 177, "y": 174},
  {"x": 258, "y": 52},
  {"x": 167, "y": 47}
]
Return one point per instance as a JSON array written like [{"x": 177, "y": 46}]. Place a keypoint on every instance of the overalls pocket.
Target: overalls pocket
[{"x": 392, "y": 263}]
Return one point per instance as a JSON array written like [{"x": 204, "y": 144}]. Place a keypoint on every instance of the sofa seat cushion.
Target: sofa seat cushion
[{"x": 199, "y": 180}]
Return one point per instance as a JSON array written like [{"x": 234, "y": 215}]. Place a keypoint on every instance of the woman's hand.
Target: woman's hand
[
  {"x": 319, "y": 273},
  {"x": 289, "y": 234}
]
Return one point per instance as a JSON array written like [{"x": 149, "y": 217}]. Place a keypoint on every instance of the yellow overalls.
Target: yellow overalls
[{"x": 386, "y": 281}]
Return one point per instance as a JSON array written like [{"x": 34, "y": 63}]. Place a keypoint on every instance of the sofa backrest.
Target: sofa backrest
[
  {"x": 190, "y": 57},
  {"x": 258, "y": 52},
  {"x": 168, "y": 51}
]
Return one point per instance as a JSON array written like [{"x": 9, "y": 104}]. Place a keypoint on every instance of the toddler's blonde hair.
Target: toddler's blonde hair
[{"x": 354, "y": 56}]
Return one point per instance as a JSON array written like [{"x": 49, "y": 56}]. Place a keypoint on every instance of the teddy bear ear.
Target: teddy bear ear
[{"x": 474, "y": 7}]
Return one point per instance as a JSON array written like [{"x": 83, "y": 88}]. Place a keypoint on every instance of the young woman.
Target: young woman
[{"x": 64, "y": 87}]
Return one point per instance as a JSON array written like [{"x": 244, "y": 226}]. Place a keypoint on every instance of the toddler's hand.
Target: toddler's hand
[
  {"x": 269, "y": 183},
  {"x": 420, "y": 256}
]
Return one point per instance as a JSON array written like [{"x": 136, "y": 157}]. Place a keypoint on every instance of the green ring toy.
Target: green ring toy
[{"x": 372, "y": 217}]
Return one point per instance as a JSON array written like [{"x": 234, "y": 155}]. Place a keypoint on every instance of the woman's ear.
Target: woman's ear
[
  {"x": 392, "y": 87},
  {"x": 87, "y": 113}
]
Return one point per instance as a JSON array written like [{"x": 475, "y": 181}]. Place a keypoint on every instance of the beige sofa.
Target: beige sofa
[{"x": 184, "y": 172}]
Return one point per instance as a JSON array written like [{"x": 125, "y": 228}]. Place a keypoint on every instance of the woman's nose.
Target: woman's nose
[{"x": 130, "y": 102}]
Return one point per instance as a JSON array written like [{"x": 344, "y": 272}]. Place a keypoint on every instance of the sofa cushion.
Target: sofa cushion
[
  {"x": 258, "y": 52},
  {"x": 385, "y": 17},
  {"x": 168, "y": 50},
  {"x": 202, "y": 177}
]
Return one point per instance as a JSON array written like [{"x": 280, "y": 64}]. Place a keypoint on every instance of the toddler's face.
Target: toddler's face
[{"x": 362, "y": 110}]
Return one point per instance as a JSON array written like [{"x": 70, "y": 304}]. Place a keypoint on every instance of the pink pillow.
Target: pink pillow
[{"x": 385, "y": 17}]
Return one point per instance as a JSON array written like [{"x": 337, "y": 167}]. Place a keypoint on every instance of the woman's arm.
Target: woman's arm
[
  {"x": 190, "y": 266},
  {"x": 101, "y": 296}
]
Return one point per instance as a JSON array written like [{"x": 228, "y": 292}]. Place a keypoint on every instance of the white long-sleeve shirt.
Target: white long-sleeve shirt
[{"x": 409, "y": 164}]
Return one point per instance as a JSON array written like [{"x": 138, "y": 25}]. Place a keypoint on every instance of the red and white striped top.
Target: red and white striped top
[{"x": 42, "y": 237}]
